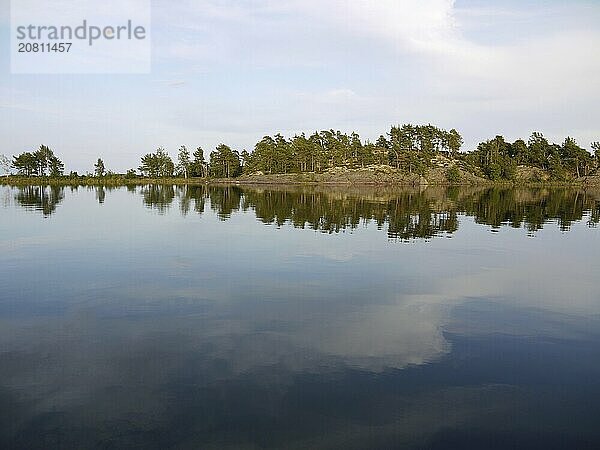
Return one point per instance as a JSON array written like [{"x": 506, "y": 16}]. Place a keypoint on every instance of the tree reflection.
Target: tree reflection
[
  {"x": 158, "y": 196},
  {"x": 531, "y": 208},
  {"x": 191, "y": 197},
  {"x": 225, "y": 200},
  {"x": 408, "y": 213},
  {"x": 41, "y": 198},
  {"x": 100, "y": 194}
]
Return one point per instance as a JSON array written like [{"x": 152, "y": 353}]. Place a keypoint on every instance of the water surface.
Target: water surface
[{"x": 195, "y": 317}]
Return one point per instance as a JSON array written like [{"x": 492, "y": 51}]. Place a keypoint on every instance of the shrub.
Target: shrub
[{"x": 453, "y": 174}]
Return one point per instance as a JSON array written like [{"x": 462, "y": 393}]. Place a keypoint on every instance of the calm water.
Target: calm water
[{"x": 187, "y": 317}]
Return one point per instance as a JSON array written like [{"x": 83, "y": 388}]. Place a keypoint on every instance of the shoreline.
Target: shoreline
[{"x": 276, "y": 180}]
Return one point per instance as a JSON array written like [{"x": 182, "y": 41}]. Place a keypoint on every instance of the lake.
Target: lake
[{"x": 299, "y": 317}]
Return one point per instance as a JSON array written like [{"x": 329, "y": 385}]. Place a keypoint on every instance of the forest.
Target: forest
[{"x": 412, "y": 149}]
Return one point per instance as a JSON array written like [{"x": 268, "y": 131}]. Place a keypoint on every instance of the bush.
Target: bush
[
  {"x": 509, "y": 170},
  {"x": 453, "y": 174}
]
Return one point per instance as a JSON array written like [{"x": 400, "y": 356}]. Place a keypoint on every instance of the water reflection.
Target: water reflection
[
  {"x": 224, "y": 201},
  {"x": 424, "y": 213},
  {"x": 408, "y": 213},
  {"x": 40, "y": 198},
  {"x": 200, "y": 327},
  {"x": 532, "y": 208},
  {"x": 158, "y": 197}
]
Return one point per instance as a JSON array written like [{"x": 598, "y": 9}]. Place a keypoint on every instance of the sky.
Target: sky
[{"x": 234, "y": 71}]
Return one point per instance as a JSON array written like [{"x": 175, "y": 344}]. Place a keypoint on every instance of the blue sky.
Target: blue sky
[{"x": 225, "y": 71}]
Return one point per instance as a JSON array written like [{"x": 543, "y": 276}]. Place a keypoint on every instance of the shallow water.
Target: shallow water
[{"x": 194, "y": 317}]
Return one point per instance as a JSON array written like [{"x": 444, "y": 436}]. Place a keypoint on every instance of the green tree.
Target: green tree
[
  {"x": 303, "y": 152},
  {"x": 453, "y": 174},
  {"x": 25, "y": 164},
  {"x": 158, "y": 164},
  {"x": 264, "y": 156},
  {"x": 519, "y": 151},
  {"x": 400, "y": 145},
  {"x": 454, "y": 142},
  {"x": 184, "y": 163},
  {"x": 596, "y": 148},
  {"x": 199, "y": 166},
  {"x": 99, "y": 168},
  {"x": 225, "y": 162},
  {"x": 411, "y": 147},
  {"x": 540, "y": 151},
  {"x": 493, "y": 156},
  {"x": 576, "y": 159},
  {"x": 381, "y": 150},
  {"x": 42, "y": 162},
  {"x": 43, "y": 157},
  {"x": 56, "y": 167},
  {"x": 363, "y": 155}
]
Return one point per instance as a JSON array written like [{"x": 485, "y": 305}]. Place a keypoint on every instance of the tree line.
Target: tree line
[
  {"x": 42, "y": 162},
  {"x": 498, "y": 159},
  {"x": 410, "y": 148}
]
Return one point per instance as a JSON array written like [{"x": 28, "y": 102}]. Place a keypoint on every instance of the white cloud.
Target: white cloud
[{"x": 409, "y": 24}]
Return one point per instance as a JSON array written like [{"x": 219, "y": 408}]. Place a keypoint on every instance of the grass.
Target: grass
[
  {"x": 116, "y": 180},
  {"x": 122, "y": 180}
]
